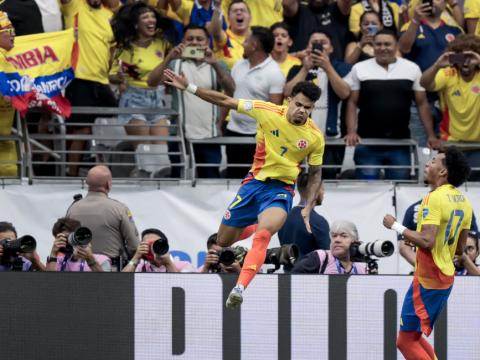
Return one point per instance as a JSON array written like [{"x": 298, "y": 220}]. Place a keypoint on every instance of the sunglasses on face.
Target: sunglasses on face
[{"x": 9, "y": 31}]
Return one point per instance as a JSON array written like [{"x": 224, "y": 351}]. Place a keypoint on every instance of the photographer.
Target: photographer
[
  {"x": 212, "y": 261},
  {"x": 66, "y": 257},
  {"x": 336, "y": 260},
  {"x": 153, "y": 255},
  {"x": 29, "y": 261},
  {"x": 465, "y": 264}
]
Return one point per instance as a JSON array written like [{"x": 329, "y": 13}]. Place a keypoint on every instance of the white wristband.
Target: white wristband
[
  {"x": 192, "y": 88},
  {"x": 399, "y": 228}
]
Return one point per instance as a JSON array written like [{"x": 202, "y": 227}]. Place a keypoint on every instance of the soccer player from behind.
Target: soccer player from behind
[
  {"x": 285, "y": 137},
  {"x": 444, "y": 220}
]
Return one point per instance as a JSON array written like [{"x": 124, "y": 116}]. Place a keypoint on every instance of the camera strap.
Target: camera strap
[
  {"x": 65, "y": 261},
  {"x": 324, "y": 264},
  {"x": 341, "y": 270}
]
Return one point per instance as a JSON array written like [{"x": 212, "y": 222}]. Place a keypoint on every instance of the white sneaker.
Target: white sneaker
[{"x": 235, "y": 298}]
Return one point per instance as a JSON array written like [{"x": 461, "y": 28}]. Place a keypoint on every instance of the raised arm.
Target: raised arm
[
  {"x": 211, "y": 96},
  {"x": 424, "y": 239},
  {"x": 344, "y": 6},
  {"x": 313, "y": 187},
  {"x": 408, "y": 38},
  {"x": 428, "y": 77},
  {"x": 156, "y": 76}
]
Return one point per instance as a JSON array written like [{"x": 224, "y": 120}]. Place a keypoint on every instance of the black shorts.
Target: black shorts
[{"x": 89, "y": 93}]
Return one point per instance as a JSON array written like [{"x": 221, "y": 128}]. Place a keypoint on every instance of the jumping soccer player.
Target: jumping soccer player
[
  {"x": 285, "y": 137},
  {"x": 443, "y": 223}
]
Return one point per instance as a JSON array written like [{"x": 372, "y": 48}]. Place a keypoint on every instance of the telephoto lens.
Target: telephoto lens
[
  {"x": 160, "y": 247},
  {"x": 80, "y": 237}
]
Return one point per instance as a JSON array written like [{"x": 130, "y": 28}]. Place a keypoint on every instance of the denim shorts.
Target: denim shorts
[{"x": 136, "y": 97}]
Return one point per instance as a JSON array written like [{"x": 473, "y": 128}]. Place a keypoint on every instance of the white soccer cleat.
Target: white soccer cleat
[{"x": 235, "y": 298}]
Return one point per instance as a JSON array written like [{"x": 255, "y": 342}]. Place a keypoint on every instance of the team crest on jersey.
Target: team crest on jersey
[
  {"x": 449, "y": 37},
  {"x": 302, "y": 144},
  {"x": 227, "y": 215},
  {"x": 425, "y": 213}
]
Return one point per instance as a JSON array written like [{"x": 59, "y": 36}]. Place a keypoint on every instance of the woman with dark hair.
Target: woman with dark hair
[
  {"x": 362, "y": 48},
  {"x": 142, "y": 39},
  {"x": 388, "y": 11}
]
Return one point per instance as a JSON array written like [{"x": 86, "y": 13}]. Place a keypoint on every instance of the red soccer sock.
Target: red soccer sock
[
  {"x": 248, "y": 231},
  {"x": 255, "y": 257},
  {"x": 414, "y": 347}
]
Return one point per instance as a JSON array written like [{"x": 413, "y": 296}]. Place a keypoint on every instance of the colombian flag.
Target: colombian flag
[{"x": 37, "y": 69}]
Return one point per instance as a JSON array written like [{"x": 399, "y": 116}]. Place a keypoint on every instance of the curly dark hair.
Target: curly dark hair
[
  {"x": 65, "y": 224},
  {"x": 124, "y": 25},
  {"x": 307, "y": 88},
  {"x": 457, "y": 165},
  {"x": 465, "y": 42}
]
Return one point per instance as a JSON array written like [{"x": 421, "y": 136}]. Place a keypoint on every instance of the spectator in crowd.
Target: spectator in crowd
[
  {"x": 456, "y": 77},
  {"x": 336, "y": 260},
  {"x": 321, "y": 67},
  {"x": 362, "y": 48},
  {"x": 73, "y": 258},
  {"x": 283, "y": 42},
  {"x": 212, "y": 261},
  {"x": 318, "y": 16},
  {"x": 257, "y": 76},
  {"x": 410, "y": 222},
  {"x": 90, "y": 86},
  {"x": 422, "y": 41},
  {"x": 8, "y": 150},
  {"x": 141, "y": 40},
  {"x": 387, "y": 10},
  {"x": 452, "y": 15},
  {"x": 198, "y": 118},
  {"x": 294, "y": 231},
  {"x": 30, "y": 261},
  {"x": 146, "y": 260},
  {"x": 199, "y": 12},
  {"x": 465, "y": 264},
  {"x": 25, "y": 15},
  {"x": 386, "y": 86},
  {"x": 228, "y": 45},
  {"x": 264, "y": 13},
  {"x": 114, "y": 232},
  {"x": 472, "y": 14}
]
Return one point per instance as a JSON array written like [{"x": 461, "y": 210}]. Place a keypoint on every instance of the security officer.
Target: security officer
[{"x": 114, "y": 232}]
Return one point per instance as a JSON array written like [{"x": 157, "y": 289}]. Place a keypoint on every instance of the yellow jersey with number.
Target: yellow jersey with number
[
  {"x": 449, "y": 209},
  {"x": 281, "y": 145}
]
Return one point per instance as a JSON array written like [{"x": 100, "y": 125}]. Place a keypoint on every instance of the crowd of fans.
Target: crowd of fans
[{"x": 386, "y": 69}]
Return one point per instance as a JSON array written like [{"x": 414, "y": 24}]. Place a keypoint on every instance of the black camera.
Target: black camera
[
  {"x": 285, "y": 255},
  {"x": 80, "y": 237},
  {"x": 24, "y": 244},
  {"x": 13, "y": 248},
  {"x": 226, "y": 256}
]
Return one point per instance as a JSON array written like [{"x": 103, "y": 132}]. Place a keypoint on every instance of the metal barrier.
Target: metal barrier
[
  {"x": 30, "y": 146},
  {"x": 227, "y": 140},
  {"x": 101, "y": 154}
]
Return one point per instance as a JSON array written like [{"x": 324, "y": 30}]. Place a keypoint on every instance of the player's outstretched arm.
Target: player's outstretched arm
[
  {"x": 313, "y": 187},
  {"x": 211, "y": 96}
]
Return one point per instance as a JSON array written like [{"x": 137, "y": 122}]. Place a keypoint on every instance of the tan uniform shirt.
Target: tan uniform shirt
[{"x": 110, "y": 221}]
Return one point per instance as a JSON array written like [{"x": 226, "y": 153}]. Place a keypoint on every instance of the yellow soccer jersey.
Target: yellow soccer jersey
[
  {"x": 230, "y": 54},
  {"x": 289, "y": 62},
  {"x": 460, "y": 105},
  {"x": 449, "y": 209},
  {"x": 471, "y": 10},
  {"x": 446, "y": 16},
  {"x": 281, "y": 146},
  {"x": 138, "y": 63},
  {"x": 264, "y": 13},
  {"x": 95, "y": 38}
]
